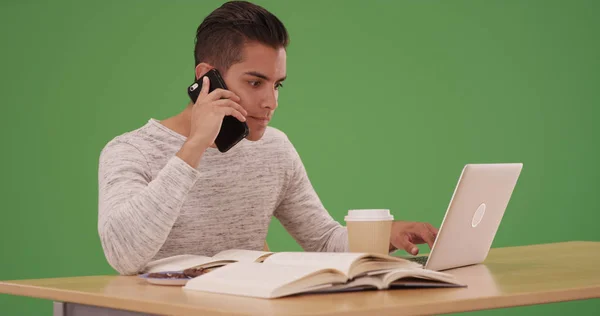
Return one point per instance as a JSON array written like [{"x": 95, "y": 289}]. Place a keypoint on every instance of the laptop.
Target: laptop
[{"x": 473, "y": 216}]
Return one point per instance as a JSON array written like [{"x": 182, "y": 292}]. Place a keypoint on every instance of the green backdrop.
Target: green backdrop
[{"x": 385, "y": 101}]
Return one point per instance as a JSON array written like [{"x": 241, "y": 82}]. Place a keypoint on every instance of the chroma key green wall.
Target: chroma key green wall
[{"x": 385, "y": 102}]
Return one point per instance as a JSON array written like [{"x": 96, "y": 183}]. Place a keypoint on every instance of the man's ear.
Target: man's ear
[{"x": 202, "y": 68}]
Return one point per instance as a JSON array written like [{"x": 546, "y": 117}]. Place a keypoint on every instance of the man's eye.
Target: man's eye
[
  {"x": 279, "y": 85},
  {"x": 254, "y": 83}
]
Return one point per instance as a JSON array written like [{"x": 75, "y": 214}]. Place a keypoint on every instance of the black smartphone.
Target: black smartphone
[{"x": 232, "y": 130}]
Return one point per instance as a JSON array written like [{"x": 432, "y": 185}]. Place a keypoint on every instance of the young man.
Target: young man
[{"x": 164, "y": 189}]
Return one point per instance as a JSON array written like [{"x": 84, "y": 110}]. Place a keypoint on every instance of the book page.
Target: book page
[
  {"x": 366, "y": 266},
  {"x": 425, "y": 277},
  {"x": 260, "y": 280},
  {"x": 350, "y": 263},
  {"x": 243, "y": 255},
  {"x": 178, "y": 263},
  {"x": 359, "y": 284},
  {"x": 341, "y": 261}
]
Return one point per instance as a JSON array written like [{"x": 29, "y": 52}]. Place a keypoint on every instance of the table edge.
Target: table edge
[{"x": 464, "y": 305}]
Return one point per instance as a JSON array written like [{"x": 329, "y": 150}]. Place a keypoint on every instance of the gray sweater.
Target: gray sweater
[{"x": 153, "y": 205}]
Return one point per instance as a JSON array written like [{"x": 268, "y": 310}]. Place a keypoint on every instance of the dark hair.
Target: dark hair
[{"x": 222, "y": 35}]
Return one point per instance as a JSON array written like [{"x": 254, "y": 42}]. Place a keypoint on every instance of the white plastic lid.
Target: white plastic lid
[{"x": 368, "y": 215}]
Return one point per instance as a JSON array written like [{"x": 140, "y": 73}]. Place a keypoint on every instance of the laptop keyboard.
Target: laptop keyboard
[{"x": 420, "y": 259}]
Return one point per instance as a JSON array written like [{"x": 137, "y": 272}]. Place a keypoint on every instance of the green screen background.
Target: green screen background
[{"x": 385, "y": 101}]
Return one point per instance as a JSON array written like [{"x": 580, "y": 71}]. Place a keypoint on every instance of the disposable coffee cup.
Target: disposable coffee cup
[{"x": 369, "y": 230}]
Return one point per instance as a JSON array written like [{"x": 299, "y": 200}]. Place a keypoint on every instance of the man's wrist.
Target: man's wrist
[{"x": 191, "y": 152}]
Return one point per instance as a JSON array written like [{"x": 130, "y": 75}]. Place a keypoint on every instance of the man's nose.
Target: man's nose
[{"x": 270, "y": 100}]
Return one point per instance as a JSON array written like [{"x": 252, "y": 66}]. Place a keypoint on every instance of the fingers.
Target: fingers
[
  {"x": 401, "y": 240},
  {"x": 231, "y": 104},
  {"x": 205, "y": 86},
  {"x": 223, "y": 94},
  {"x": 409, "y": 246},
  {"x": 432, "y": 229},
  {"x": 233, "y": 112},
  {"x": 407, "y": 235},
  {"x": 427, "y": 235}
]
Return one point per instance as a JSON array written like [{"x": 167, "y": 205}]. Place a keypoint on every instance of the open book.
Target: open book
[
  {"x": 182, "y": 262},
  {"x": 289, "y": 273}
]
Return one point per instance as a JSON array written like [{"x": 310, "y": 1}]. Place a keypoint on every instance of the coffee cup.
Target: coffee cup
[{"x": 369, "y": 230}]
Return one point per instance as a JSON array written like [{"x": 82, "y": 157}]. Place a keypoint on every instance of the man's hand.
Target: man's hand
[
  {"x": 208, "y": 113},
  {"x": 406, "y": 235},
  {"x": 206, "y": 119}
]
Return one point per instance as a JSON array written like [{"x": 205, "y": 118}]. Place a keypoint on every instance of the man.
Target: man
[{"x": 164, "y": 189}]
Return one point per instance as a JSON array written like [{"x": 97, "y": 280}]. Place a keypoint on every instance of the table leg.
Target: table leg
[{"x": 74, "y": 309}]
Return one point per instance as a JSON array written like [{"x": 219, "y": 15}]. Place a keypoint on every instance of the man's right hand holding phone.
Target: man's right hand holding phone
[{"x": 206, "y": 119}]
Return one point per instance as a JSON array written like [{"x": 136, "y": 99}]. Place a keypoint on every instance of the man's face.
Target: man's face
[{"x": 256, "y": 80}]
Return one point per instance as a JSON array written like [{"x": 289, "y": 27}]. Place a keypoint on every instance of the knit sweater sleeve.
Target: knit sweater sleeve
[
  {"x": 304, "y": 216},
  {"x": 136, "y": 213}
]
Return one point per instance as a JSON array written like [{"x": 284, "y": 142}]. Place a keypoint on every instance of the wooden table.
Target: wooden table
[{"x": 513, "y": 276}]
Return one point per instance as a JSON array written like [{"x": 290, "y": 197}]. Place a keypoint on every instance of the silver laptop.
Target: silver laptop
[{"x": 473, "y": 216}]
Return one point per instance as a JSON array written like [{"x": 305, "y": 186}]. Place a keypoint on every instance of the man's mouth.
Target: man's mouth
[{"x": 264, "y": 120}]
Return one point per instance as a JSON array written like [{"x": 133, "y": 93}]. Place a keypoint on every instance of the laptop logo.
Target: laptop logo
[{"x": 478, "y": 215}]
